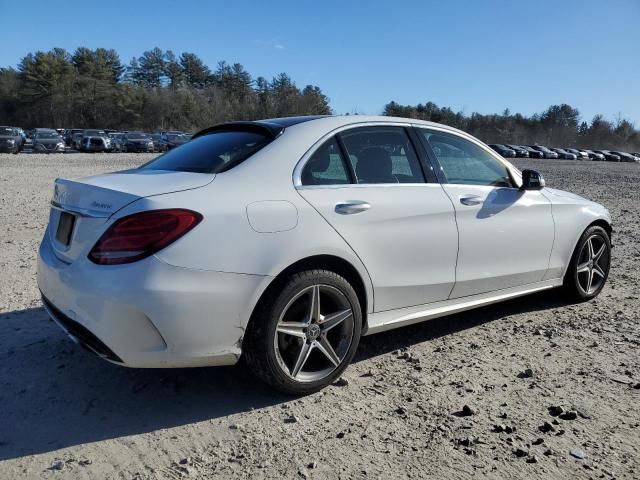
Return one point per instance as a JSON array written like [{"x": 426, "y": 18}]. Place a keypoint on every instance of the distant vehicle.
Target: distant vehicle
[
  {"x": 76, "y": 139},
  {"x": 172, "y": 140},
  {"x": 545, "y": 151},
  {"x": 10, "y": 140},
  {"x": 562, "y": 153},
  {"x": 502, "y": 150},
  {"x": 68, "y": 135},
  {"x": 596, "y": 157},
  {"x": 117, "y": 141},
  {"x": 156, "y": 138},
  {"x": 23, "y": 135},
  {"x": 624, "y": 156},
  {"x": 533, "y": 153},
  {"x": 520, "y": 151},
  {"x": 93, "y": 144},
  {"x": 98, "y": 133},
  {"x": 137, "y": 142},
  {"x": 581, "y": 154},
  {"x": 637, "y": 155},
  {"x": 47, "y": 141},
  {"x": 609, "y": 156}
]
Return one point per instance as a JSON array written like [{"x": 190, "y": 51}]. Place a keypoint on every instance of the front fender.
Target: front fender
[{"x": 572, "y": 215}]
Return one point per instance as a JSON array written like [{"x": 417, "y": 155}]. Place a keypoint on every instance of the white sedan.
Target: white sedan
[{"x": 285, "y": 240}]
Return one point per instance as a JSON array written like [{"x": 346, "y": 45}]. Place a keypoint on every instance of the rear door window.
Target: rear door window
[
  {"x": 382, "y": 155},
  {"x": 212, "y": 153}
]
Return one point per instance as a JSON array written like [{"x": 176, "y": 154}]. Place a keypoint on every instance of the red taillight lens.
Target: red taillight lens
[{"x": 139, "y": 235}]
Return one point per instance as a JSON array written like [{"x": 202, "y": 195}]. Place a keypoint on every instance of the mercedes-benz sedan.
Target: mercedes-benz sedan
[{"x": 285, "y": 240}]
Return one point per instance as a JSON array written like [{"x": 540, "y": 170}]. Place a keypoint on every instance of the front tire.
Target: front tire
[
  {"x": 589, "y": 267},
  {"x": 302, "y": 336}
]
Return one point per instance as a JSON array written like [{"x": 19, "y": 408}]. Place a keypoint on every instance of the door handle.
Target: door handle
[
  {"x": 350, "y": 207},
  {"x": 471, "y": 200}
]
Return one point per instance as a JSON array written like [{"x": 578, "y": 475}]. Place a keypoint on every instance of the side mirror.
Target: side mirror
[{"x": 532, "y": 180}]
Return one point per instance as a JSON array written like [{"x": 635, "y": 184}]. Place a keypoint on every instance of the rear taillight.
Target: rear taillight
[{"x": 139, "y": 235}]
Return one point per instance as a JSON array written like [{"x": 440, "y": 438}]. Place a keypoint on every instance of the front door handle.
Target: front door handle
[
  {"x": 349, "y": 207},
  {"x": 471, "y": 200}
]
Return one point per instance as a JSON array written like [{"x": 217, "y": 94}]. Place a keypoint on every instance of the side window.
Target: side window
[
  {"x": 326, "y": 166},
  {"x": 382, "y": 155},
  {"x": 464, "y": 162}
]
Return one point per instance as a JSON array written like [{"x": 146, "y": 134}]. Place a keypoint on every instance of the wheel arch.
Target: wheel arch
[{"x": 320, "y": 262}]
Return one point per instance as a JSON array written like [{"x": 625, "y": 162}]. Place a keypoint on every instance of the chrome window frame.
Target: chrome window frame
[{"x": 297, "y": 171}]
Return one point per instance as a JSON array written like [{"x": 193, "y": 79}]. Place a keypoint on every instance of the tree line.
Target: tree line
[
  {"x": 557, "y": 126},
  {"x": 158, "y": 90},
  {"x": 161, "y": 90}
]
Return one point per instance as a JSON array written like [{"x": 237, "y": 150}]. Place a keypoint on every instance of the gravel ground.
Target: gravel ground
[{"x": 475, "y": 394}]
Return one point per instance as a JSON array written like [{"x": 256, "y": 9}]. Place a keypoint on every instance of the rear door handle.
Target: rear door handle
[
  {"x": 471, "y": 200},
  {"x": 349, "y": 207}
]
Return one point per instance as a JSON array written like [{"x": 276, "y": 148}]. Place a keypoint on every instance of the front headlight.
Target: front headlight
[
  {"x": 60, "y": 145},
  {"x": 11, "y": 141}
]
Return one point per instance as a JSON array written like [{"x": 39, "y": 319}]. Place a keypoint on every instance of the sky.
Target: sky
[{"x": 473, "y": 56}]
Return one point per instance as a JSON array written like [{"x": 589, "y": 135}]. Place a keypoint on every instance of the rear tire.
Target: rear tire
[
  {"x": 590, "y": 263},
  {"x": 304, "y": 335}
]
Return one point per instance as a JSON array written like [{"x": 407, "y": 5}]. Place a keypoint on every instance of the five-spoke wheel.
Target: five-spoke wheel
[
  {"x": 589, "y": 266},
  {"x": 306, "y": 334}
]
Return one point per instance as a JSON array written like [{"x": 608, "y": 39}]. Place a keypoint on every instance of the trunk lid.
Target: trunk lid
[{"x": 81, "y": 208}]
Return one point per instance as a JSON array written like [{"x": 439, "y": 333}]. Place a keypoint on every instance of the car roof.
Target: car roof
[{"x": 275, "y": 126}]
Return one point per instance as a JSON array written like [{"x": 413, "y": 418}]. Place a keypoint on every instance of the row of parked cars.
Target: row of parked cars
[
  {"x": 49, "y": 140},
  {"x": 540, "y": 151},
  {"x": 98, "y": 140}
]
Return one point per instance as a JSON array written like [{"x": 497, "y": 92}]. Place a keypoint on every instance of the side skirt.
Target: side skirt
[{"x": 382, "y": 321}]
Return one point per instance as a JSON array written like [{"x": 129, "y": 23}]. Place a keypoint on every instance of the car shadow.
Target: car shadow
[{"x": 56, "y": 395}]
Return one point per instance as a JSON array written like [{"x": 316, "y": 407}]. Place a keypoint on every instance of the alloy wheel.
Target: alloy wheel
[
  {"x": 593, "y": 264},
  {"x": 314, "y": 333}
]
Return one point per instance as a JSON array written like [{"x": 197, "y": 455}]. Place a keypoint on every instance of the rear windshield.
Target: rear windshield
[{"x": 213, "y": 153}]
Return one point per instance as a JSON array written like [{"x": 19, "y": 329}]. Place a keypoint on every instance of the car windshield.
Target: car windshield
[
  {"x": 136, "y": 136},
  {"x": 213, "y": 153},
  {"x": 48, "y": 135},
  {"x": 98, "y": 133},
  {"x": 4, "y": 131}
]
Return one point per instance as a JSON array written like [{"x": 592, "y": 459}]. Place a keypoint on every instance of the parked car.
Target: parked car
[
  {"x": 168, "y": 267},
  {"x": 581, "y": 154},
  {"x": 520, "y": 152},
  {"x": 624, "y": 156},
  {"x": 609, "y": 156},
  {"x": 76, "y": 140},
  {"x": 10, "y": 140},
  {"x": 563, "y": 154},
  {"x": 502, "y": 150},
  {"x": 69, "y": 136},
  {"x": 47, "y": 141},
  {"x": 137, "y": 142},
  {"x": 156, "y": 138},
  {"x": 97, "y": 133},
  {"x": 117, "y": 142},
  {"x": 23, "y": 136},
  {"x": 596, "y": 157},
  {"x": 93, "y": 144},
  {"x": 637, "y": 155},
  {"x": 533, "y": 153},
  {"x": 545, "y": 151},
  {"x": 172, "y": 140}
]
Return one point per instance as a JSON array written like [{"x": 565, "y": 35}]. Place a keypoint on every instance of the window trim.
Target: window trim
[
  {"x": 514, "y": 174},
  {"x": 297, "y": 171}
]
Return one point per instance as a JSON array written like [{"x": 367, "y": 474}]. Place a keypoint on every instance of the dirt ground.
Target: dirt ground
[{"x": 459, "y": 397}]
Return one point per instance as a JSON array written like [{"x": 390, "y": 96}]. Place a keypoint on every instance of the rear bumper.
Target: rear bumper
[{"x": 149, "y": 314}]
